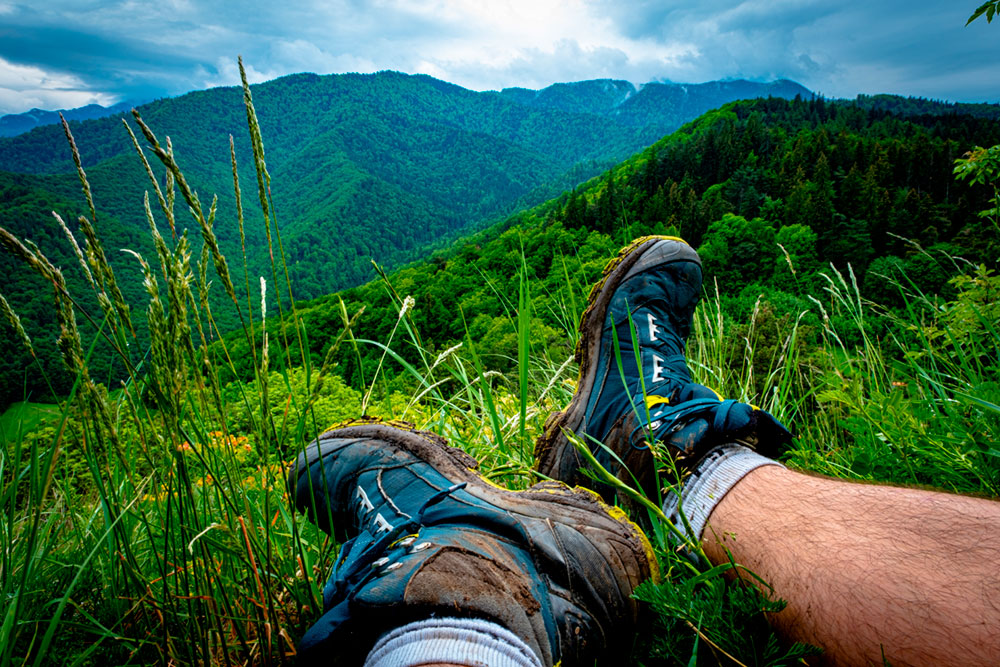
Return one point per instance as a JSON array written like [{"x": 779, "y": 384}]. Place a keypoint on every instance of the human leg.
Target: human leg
[
  {"x": 895, "y": 561},
  {"x": 427, "y": 537},
  {"x": 867, "y": 570}
]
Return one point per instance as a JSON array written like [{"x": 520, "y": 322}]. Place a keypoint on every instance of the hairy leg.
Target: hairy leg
[{"x": 869, "y": 570}]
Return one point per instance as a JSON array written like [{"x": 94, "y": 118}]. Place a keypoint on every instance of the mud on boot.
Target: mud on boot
[{"x": 427, "y": 535}]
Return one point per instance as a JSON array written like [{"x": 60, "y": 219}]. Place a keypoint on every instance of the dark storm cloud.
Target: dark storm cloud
[
  {"x": 919, "y": 48},
  {"x": 68, "y": 52}
]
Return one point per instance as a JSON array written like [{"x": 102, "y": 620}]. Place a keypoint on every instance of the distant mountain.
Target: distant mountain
[
  {"x": 382, "y": 166},
  {"x": 12, "y": 125},
  {"x": 663, "y": 106}
]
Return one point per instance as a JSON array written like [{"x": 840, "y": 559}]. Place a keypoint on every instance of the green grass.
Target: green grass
[
  {"x": 150, "y": 524},
  {"x": 23, "y": 417}
]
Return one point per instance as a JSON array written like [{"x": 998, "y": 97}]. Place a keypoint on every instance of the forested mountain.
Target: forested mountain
[
  {"x": 771, "y": 192},
  {"x": 663, "y": 107},
  {"x": 381, "y": 166},
  {"x": 18, "y": 123},
  {"x": 384, "y": 163}
]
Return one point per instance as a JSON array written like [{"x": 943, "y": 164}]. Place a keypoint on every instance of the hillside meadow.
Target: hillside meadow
[{"x": 851, "y": 291}]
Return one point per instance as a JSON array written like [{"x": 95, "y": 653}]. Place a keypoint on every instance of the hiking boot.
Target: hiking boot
[
  {"x": 427, "y": 535},
  {"x": 648, "y": 295}
]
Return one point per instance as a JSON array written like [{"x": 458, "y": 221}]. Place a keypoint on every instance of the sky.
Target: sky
[{"x": 57, "y": 54}]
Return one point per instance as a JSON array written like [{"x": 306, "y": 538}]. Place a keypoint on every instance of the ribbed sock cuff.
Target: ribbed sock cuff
[
  {"x": 462, "y": 641},
  {"x": 715, "y": 475}
]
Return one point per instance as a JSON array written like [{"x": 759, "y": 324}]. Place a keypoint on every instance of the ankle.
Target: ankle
[{"x": 716, "y": 474}]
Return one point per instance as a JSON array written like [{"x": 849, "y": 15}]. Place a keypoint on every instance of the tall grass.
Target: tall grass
[
  {"x": 147, "y": 528},
  {"x": 150, "y": 524}
]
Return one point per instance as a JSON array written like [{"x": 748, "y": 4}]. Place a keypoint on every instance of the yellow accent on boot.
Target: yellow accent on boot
[{"x": 653, "y": 400}]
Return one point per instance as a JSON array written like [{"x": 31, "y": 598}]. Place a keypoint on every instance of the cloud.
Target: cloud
[
  {"x": 226, "y": 72},
  {"x": 301, "y": 55},
  {"x": 146, "y": 48},
  {"x": 25, "y": 87},
  {"x": 566, "y": 60}
]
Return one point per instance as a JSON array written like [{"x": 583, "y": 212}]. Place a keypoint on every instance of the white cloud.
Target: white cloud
[
  {"x": 23, "y": 77},
  {"x": 527, "y": 43},
  {"x": 300, "y": 55},
  {"x": 24, "y": 87},
  {"x": 227, "y": 73},
  {"x": 142, "y": 47}
]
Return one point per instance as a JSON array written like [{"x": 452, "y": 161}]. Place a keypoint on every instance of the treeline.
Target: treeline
[
  {"x": 867, "y": 183},
  {"x": 771, "y": 191},
  {"x": 920, "y": 106}
]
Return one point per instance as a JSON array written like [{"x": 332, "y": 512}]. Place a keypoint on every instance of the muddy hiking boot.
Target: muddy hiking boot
[
  {"x": 648, "y": 295},
  {"x": 427, "y": 535}
]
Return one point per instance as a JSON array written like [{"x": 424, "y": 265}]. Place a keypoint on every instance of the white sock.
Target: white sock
[
  {"x": 709, "y": 483},
  {"x": 462, "y": 641}
]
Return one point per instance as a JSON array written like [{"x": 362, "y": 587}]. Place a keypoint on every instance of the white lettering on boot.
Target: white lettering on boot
[
  {"x": 382, "y": 523},
  {"x": 652, "y": 328},
  {"x": 367, "y": 504},
  {"x": 657, "y": 369}
]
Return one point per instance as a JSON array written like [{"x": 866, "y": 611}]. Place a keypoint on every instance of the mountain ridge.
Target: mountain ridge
[
  {"x": 349, "y": 151},
  {"x": 14, "y": 124},
  {"x": 384, "y": 167}
]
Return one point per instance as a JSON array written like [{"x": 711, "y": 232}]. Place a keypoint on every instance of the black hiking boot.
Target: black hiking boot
[
  {"x": 647, "y": 294},
  {"x": 428, "y": 535}
]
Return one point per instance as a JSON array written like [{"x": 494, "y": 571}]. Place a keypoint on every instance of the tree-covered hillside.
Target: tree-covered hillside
[
  {"x": 770, "y": 191},
  {"x": 383, "y": 163},
  {"x": 383, "y": 166},
  {"x": 851, "y": 292}
]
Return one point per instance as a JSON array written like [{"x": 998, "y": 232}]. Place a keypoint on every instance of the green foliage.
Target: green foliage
[
  {"x": 150, "y": 524},
  {"x": 981, "y": 166},
  {"x": 292, "y": 402},
  {"x": 736, "y": 251},
  {"x": 796, "y": 266},
  {"x": 705, "y": 620},
  {"x": 987, "y": 9},
  {"x": 25, "y": 417}
]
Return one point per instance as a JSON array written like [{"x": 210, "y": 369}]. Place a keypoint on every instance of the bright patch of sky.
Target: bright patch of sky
[{"x": 66, "y": 53}]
